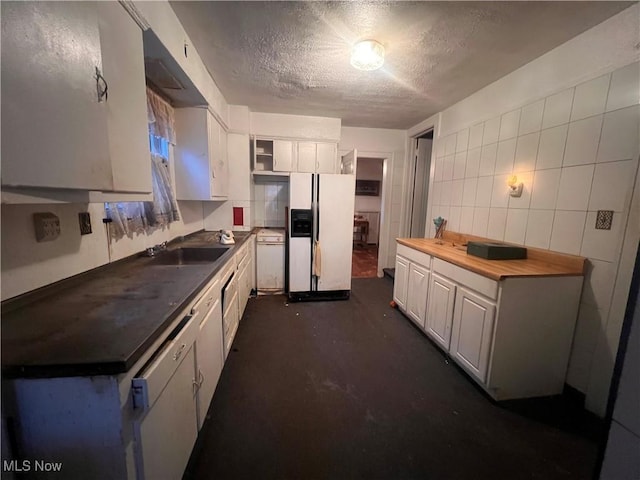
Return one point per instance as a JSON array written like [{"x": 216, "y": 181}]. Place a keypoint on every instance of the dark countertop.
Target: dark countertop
[{"x": 102, "y": 321}]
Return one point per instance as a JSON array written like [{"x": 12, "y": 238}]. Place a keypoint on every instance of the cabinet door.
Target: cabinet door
[
  {"x": 168, "y": 432},
  {"x": 306, "y": 157},
  {"x": 210, "y": 358},
  {"x": 440, "y": 309},
  {"x": 128, "y": 128},
  {"x": 193, "y": 161},
  {"x": 418, "y": 289},
  {"x": 54, "y": 132},
  {"x": 282, "y": 156},
  {"x": 326, "y": 158},
  {"x": 221, "y": 187},
  {"x": 473, "y": 321},
  {"x": 400, "y": 282}
]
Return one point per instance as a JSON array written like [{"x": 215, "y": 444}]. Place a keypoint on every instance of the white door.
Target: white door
[
  {"x": 473, "y": 320},
  {"x": 400, "y": 282},
  {"x": 326, "y": 157},
  {"x": 417, "y": 293},
  {"x": 440, "y": 309},
  {"x": 299, "y": 248},
  {"x": 168, "y": 432},
  {"x": 306, "y": 157},
  {"x": 336, "y": 198},
  {"x": 54, "y": 132},
  {"x": 349, "y": 162}
]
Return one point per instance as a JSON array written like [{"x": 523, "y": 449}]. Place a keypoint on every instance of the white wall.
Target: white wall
[
  {"x": 390, "y": 145},
  {"x": 567, "y": 124},
  {"x": 295, "y": 126}
]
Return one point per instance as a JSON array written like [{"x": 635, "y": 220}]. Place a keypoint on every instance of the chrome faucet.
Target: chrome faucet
[{"x": 151, "y": 251}]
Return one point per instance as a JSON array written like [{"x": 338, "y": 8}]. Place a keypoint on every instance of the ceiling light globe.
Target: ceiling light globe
[{"x": 367, "y": 55}]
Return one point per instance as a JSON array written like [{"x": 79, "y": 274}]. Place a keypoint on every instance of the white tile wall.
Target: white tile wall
[
  {"x": 505, "y": 156},
  {"x": 516, "y": 226},
  {"x": 457, "y": 187},
  {"x": 620, "y": 135},
  {"x": 462, "y": 140},
  {"x": 269, "y": 201},
  {"x": 447, "y": 167},
  {"x": 602, "y": 244},
  {"x": 475, "y": 136},
  {"x": 539, "y": 225},
  {"x": 531, "y": 118},
  {"x": 590, "y": 98},
  {"x": 459, "y": 165},
  {"x": 509, "y": 125},
  {"x": 551, "y": 148},
  {"x": 576, "y": 152},
  {"x": 469, "y": 192},
  {"x": 466, "y": 219},
  {"x": 484, "y": 191},
  {"x": 500, "y": 195},
  {"x": 568, "y": 227},
  {"x": 598, "y": 284},
  {"x": 497, "y": 223},
  {"x": 491, "y": 131},
  {"x": 472, "y": 168},
  {"x": 612, "y": 185},
  {"x": 526, "y": 152},
  {"x": 582, "y": 141},
  {"x": 624, "y": 90},
  {"x": 557, "y": 109},
  {"x": 480, "y": 221},
  {"x": 575, "y": 187},
  {"x": 488, "y": 159}
]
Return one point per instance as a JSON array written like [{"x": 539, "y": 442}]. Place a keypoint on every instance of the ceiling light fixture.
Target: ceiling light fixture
[{"x": 367, "y": 55}]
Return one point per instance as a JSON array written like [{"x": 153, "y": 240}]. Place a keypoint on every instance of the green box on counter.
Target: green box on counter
[{"x": 496, "y": 251}]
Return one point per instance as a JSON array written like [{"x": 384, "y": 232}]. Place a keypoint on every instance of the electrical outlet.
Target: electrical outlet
[
  {"x": 47, "y": 226},
  {"x": 84, "y": 218}
]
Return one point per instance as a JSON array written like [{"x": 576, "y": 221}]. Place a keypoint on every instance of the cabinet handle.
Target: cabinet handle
[
  {"x": 200, "y": 378},
  {"x": 103, "y": 90},
  {"x": 178, "y": 353}
]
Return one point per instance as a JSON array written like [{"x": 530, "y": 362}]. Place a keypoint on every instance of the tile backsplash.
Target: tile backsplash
[{"x": 270, "y": 198}]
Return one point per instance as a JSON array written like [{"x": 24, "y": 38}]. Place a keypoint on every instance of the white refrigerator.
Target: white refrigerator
[{"x": 320, "y": 235}]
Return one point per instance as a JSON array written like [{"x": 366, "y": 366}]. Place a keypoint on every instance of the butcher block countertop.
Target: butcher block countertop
[{"x": 538, "y": 262}]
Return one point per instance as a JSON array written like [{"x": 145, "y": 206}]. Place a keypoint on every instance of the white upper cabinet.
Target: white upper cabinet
[
  {"x": 73, "y": 98},
  {"x": 317, "y": 157},
  {"x": 201, "y": 156},
  {"x": 123, "y": 66},
  {"x": 283, "y": 156}
]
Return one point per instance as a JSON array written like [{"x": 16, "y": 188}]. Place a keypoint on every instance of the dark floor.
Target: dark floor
[
  {"x": 364, "y": 261},
  {"x": 351, "y": 389}
]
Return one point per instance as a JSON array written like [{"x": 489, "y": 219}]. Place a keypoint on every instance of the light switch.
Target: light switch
[
  {"x": 47, "y": 226},
  {"x": 604, "y": 219}
]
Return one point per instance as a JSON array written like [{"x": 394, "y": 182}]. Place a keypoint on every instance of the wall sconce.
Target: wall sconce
[{"x": 515, "y": 187}]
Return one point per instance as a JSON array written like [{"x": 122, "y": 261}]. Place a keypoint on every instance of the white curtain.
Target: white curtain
[{"x": 138, "y": 217}]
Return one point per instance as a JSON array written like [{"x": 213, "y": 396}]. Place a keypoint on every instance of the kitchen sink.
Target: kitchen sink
[{"x": 189, "y": 256}]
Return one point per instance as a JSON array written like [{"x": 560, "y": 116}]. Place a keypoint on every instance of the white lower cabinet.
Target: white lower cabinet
[
  {"x": 210, "y": 357},
  {"x": 512, "y": 336},
  {"x": 401, "y": 282},
  {"x": 168, "y": 432},
  {"x": 440, "y": 311},
  {"x": 473, "y": 318},
  {"x": 418, "y": 289}
]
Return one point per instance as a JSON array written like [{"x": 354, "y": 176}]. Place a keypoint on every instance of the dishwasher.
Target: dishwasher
[{"x": 270, "y": 261}]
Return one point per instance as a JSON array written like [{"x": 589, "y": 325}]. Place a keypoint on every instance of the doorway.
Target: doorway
[
  {"x": 367, "y": 215},
  {"x": 418, "y": 227}
]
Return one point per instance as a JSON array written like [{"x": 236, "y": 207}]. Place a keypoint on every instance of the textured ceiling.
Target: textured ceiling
[{"x": 293, "y": 57}]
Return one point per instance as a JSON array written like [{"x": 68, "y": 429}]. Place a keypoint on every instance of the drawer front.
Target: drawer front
[
  {"x": 206, "y": 300},
  {"x": 152, "y": 380},
  {"x": 415, "y": 256},
  {"x": 467, "y": 278}
]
